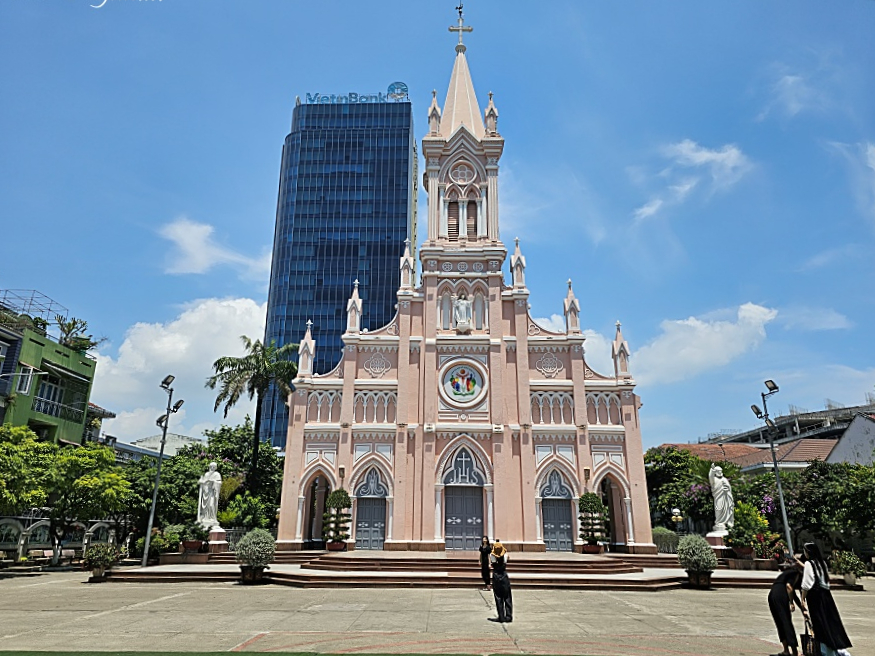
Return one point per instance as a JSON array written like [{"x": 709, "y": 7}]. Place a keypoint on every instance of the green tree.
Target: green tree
[
  {"x": 83, "y": 483},
  {"x": 253, "y": 374},
  {"x": 24, "y": 466}
]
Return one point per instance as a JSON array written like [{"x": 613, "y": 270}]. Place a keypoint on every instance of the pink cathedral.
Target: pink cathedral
[{"x": 463, "y": 417}]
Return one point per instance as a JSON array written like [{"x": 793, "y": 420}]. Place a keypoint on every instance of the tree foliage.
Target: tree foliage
[
  {"x": 253, "y": 374},
  {"x": 24, "y": 469}
]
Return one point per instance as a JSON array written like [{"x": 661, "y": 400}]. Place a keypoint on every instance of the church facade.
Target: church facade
[{"x": 463, "y": 417}]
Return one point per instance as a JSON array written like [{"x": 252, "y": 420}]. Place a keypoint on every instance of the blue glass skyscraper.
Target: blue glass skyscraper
[{"x": 347, "y": 202}]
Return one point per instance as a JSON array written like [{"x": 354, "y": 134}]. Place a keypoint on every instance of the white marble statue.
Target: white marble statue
[
  {"x": 210, "y": 485},
  {"x": 724, "y": 504},
  {"x": 462, "y": 313}
]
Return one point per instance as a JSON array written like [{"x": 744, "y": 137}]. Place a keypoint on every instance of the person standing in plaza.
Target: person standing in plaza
[
  {"x": 501, "y": 584},
  {"x": 782, "y": 598},
  {"x": 485, "y": 550},
  {"x": 818, "y": 605}
]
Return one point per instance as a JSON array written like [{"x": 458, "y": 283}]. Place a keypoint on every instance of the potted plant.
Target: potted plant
[
  {"x": 335, "y": 521},
  {"x": 193, "y": 537},
  {"x": 749, "y": 523},
  {"x": 592, "y": 521},
  {"x": 99, "y": 558},
  {"x": 254, "y": 552},
  {"x": 848, "y": 565},
  {"x": 697, "y": 557}
]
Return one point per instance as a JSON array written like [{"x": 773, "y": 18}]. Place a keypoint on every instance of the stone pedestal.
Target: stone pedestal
[
  {"x": 715, "y": 538},
  {"x": 218, "y": 543}
]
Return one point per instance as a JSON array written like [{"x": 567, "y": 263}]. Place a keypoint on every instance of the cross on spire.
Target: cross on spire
[{"x": 461, "y": 28}]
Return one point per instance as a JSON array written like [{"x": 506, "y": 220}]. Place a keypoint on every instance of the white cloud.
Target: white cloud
[
  {"x": 197, "y": 251},
  {"x": 813, "y": 319},
  {"x": 791, "y": 94},
  {"x": 689, "y": 347},
  {"x": 556, "y": 323},
  {"x": 598, "y": 352},
  {"x": 831, "y": 256},
  {"x": 726, "y": 165},
  {"x": 186, "y": 347},
  {"x": 690, "y": 164},
  {"x": 861, "y": 160}
]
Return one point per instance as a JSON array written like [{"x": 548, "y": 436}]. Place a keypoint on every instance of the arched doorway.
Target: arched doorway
[
  {"x": 463, "y": 502},
  {"x": 613, "y": 495},
  {"x": 557, "y": 513},
  {"x": 314, "y": 502},
  {"x": 370, "y": 512}
]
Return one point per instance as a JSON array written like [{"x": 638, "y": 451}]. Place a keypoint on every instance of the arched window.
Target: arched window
[
  {"x": 479, "y": 311},
  {"x": 453, "y": 220},
  {"x": 372, "y": 485},
  {"x": 555, "y": 487},
  {"x": 446, "y": 312}
]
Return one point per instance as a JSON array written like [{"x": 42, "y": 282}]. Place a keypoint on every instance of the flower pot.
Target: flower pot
[
  {"x": 744, "y": 552},
  {"x": 192, "y": 545},
  {"x": 850, "y": 579},
  {"x": 592, "y": 548},
  {"x": 98, "y": 572},
  {"x": 251, "y": 575},
  {"x": 336, "y": 546},
  {"x": 699, "y": 580}
]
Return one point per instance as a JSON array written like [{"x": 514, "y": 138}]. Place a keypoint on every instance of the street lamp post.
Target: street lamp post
[
  {"x": 771, "y": 429},
  {"x": 162, "y": 422}
]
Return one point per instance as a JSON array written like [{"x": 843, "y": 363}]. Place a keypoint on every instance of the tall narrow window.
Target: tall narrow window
[
  {"x": 24, "y": 378},
  {"x": 453, "y": 221},
  {"x": 478, "y": 311},
  {"x": 446, "y": 311},
  {"x": 472, "y": 219}
]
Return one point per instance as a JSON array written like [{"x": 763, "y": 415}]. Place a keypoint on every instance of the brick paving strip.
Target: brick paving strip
[{"x": 58, "y": 612}]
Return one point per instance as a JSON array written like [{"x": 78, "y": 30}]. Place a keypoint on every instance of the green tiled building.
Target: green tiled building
[{"x": 44, "y": 384}]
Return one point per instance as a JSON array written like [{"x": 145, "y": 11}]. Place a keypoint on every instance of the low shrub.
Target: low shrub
[
  {"x": 256, "y": 548},
  {"x": 666, "y": 540},
  {"x": 696, "y": 555},
  {"x": 100, "y": 555},
  {"x": 846, "y": 562}
]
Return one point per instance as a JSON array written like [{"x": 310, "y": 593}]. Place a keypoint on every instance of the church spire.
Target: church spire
[
  {"x": 572, "y": 312},
  {"x": 620, "y": 353},
  {"x": 461, "y": 107},
  {"x": 306, "y": 352},
  {"x": 354, "y": 311}
]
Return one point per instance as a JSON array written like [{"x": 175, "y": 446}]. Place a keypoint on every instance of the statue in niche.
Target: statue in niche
[
  {"x": 210, "y": 485},
  {"x": 724, "y": 503},
  {"x": 462, "y": 313}
]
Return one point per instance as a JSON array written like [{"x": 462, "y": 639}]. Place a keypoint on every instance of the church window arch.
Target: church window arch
[
  {"x": 555, "y": 486},
  {"x": 446, "y": 313},
  {"x": 371, "y": 485},
  {"x": 481, "y": 458},
  {"x": 463, "y": 470}
]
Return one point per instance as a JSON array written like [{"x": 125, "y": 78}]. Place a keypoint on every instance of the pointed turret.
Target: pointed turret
[
  {"x": 460, "y": 107},
  {"x": 354, "y": 311},
  {"x": 572, "y": 312},
  {"x": 434, "y": 116},
  {"x": 620, "y": 353},
  {"x": 306, "y": 352},
  {"x": 490, "y": 117},
  {"x": 408, "y": 267},
  {"x": 518, "y": 266}
]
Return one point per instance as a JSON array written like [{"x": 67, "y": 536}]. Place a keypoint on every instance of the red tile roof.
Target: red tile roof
[
  {"x": 801, "y": 450},
  {"x": 717, "y": 452}
]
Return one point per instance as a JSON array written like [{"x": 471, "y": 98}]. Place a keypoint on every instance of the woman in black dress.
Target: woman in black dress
[
  {"x": 782, "y": 598},
  {"x": 501, "y": 584},
  {"x": 485, "y": 550},
  {"x": 817, "y": 602}
]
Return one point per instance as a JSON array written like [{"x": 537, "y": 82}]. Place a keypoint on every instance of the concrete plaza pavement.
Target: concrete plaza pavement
[{"x": 59, "y": 611}]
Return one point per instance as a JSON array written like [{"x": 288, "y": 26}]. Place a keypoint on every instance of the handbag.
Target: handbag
[{"x": 809, "y": 644}]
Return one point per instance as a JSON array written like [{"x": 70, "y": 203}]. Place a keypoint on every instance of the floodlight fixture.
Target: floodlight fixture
[
  {"x": 757, "y": 411},
  {"x": 161, "y": 421},
  {"x": 168, "y": 381},
  {"x": 771, "y": 386},
  {"x": 770, "y": 424},
  {"x": 178, "y": 405}
]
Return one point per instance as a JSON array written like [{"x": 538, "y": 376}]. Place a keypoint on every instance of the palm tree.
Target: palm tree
[{"x": 253, "y": 374}]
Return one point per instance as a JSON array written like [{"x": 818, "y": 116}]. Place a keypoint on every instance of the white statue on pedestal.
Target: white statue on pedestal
[
  {"x": 462, "y": 313},
  {"x": 210, "y": 485},
  {"x": 724, "y": 504}
]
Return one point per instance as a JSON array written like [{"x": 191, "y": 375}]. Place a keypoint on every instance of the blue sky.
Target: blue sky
[{"x": 703, "y": 172}]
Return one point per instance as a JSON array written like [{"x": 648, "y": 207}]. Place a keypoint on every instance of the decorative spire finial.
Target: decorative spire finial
[
  {"x": 569, "y": 283},
  {"x": 356, "y": 283},
  {"x": 460, "y": 29},
  {"x": 309, "y": 324}
]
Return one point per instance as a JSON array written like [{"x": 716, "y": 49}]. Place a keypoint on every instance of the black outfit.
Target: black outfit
[
  {"x": 485, "y": 550},
  {"x": 779, "y": 605},
  {"x": 501, "y": 590},
  {"x": 825, "y": 619}
]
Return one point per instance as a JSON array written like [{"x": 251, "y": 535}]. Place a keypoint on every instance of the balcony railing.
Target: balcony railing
[{"x": 59, "y": 410}]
